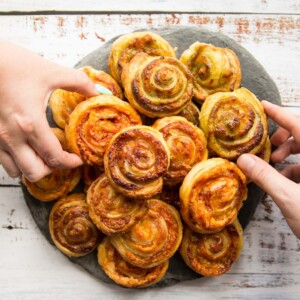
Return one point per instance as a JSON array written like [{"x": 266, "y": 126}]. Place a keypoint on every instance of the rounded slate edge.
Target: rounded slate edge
[{"x": 254, "y": 77}]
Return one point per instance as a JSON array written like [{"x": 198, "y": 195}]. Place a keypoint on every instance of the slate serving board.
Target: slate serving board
[{"x": 254, "y": 78}]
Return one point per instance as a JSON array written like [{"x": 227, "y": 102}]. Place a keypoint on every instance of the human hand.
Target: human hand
[
  {"x": 281, "y": 186},
  {"x": 27, "y": 144}
]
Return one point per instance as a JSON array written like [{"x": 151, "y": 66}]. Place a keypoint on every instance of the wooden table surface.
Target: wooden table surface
[{"x": 65, "y": 31}]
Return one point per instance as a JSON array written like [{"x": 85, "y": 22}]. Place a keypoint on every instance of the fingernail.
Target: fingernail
[
  {"x": 246, "y": 162},
  {"x": 266, "y": 103},
  {"x": 102, "y": 89}
]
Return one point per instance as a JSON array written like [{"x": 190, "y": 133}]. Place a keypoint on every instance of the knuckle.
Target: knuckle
[
  {"x": 26, "y": 125},
  {"x": 261, "y": 174},
  {"x": 51, "y": 160},
  {"x": 13, "y": 173}
]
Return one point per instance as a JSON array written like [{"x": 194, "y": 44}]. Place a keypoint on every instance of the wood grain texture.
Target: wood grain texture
[
  {"x": 269, "y": 264},
  {"x": 67, "y": 38},
  {"x": 226, "y": 6}
]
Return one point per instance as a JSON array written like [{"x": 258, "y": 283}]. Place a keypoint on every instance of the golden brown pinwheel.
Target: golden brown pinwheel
[
  {"x": 212, "y": 194},
  {"x": 234, "y": 123},
  {"x": 191, "y": 112},
  {"x": 57, "y": 184},
  {"x": 124, "y": 273},
  {"x": 110, "y": 211},
  {"x": 214, "y": 69},
  {"x": 136, "y": 160},
  {"x": 265, "y": 153},
  {"x": 212, "y": 254},
  {"x": 154, "y": 239},
  {"x": 157, "y": 86},
  {"x": 187, "y": 145},
  {"x": 63, "y": 102},
  {"x": 94, "y": 122},
  {"x": 128, "y": 45},
  {"x": 71, "y": 228}
]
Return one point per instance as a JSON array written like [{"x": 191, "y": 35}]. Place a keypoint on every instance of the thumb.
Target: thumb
[
  {"x": 74, "y": 81},
  {"x": 283, "y": 191}
]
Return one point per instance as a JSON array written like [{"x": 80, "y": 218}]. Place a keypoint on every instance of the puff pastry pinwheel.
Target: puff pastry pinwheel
[
  {"x": 211, "y": 195},
  {"x": 154, "y": 239},
  {"x": 124, "y": 273},
  {"x": 212, "y": 254},
  {"x": 63, "y": 102},
  {"x": 214, "y": 69},
  {"x": 94, "y": 122},
  {"x": 57, "y": 184},
  {"x": 187, "y": 145},
  {"x": 157, "y": 86},
  {"x": 128, "y": 45},
  {"x": 110, "y": 211},
  {"x": 191, "y": 112},
  {"x": 234, "y": 123},
  {"x": 265, "y": 153},
  {"x": 136, "y": 160},
  {"x": 71, "y": 228}
]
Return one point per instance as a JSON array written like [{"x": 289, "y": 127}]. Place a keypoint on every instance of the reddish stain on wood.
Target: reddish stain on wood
[
  {"x": 102, "y": 39},
  {"x": 199, "y": 20},
  {"x": 149, "y": 20},
  {"x": 80, "y": 21},
  {"x": 130, "y": 19},
  {"x": 266, "y": 25},
  {"x": 242, "y": 26},
  {"x": 287, "y": 24},
  {"x": 38, "y": 22},
  {"x": 220, "y": 21},
  {"x": 172, "y": 19},
  {"x": 60, "y": 21},
  {"x": 82, "y": 36}
]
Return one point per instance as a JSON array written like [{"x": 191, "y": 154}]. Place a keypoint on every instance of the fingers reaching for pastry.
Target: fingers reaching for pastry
[{"x": 283, "y": 191}]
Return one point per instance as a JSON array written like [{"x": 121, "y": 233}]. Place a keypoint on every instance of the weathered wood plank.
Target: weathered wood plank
[
  {"x": 225, "y": 6},
  {"x": 268, "y": 267},
  {"x": 273, "y": 40}
]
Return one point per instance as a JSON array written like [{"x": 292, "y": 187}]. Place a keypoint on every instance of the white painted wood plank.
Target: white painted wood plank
[
  {"x": 226, "y": 6},
  {"x": 273, "y": 40},
  {"x": 268, "y": 267}
]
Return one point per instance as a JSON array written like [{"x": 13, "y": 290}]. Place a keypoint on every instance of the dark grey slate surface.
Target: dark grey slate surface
[{"x": 254, "y": 77}]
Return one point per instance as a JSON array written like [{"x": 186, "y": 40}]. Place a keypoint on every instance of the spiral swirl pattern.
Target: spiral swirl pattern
[
  {"x": 187, "y": 145},
  {"x": 157, "y": 86},
  {"x": 191, "y": 112},
  {"x": 94, "y": 122},
  {"x": 57, "y": 184},
  {"x": 154, "y": 239},
  {"x": 234, "y": 123},
  {"x": 71, "y": 228},
  {"x": 124, "y": 273},
  {"x": 135, "y": 162},
  {"x": 214, "y": 69},
  {"x": 128, "y": 45},
  {"x": 265, "y": 153},
  {"x": 211, "y": 195},
  {"x": 62, "y": 102},
  {"x": 110, "y": 211},
  {"x": 212, "y": 254}
]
